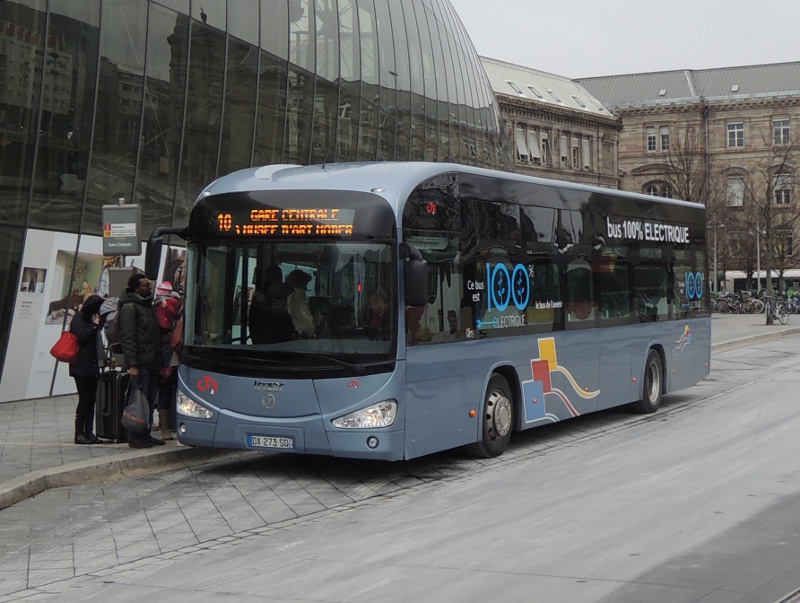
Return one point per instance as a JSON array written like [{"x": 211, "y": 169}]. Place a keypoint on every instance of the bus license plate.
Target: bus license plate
[{"x": 257, "y": 441}]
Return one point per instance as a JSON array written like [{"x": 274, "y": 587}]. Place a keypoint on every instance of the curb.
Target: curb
[
  {"x": 750, "y": 339},
  {"x": 93, "y": 470}
]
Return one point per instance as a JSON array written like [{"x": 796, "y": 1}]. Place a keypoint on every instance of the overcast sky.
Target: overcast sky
[{"x": 582, "y": 38}]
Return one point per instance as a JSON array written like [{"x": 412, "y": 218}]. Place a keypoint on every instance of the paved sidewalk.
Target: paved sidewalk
[{"x": 37, "y": 453}]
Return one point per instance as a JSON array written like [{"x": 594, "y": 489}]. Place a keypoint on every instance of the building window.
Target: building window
[
  {"x": 659, "y": 189},
  {"x": 546, "y": 156},
  {"x": 780, "y": 131},
  {"x": 782, "y": 187},
  {"x": 651, "y": 139},
  {"x": 665, "y": 138},
  {"x": 586, "y": 148},
  {"x": 564, "y": 148},
  {"x": 521, "y": 144},
  {"x": 555, "y": 96},
  {"x": 515, "y": 88},
  {"x": 533, "y": 146},
  {"x": 576, "y": 158},
  {"x": 536, "y": 93},
  {"x": 736, "y": 134},
  {"x": 784, "y": 242},
  {"x": 579, "y": 101},
  {"x": 735, "y": 191}
]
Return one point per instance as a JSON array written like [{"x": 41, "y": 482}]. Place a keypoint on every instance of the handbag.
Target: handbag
[
  {"x": 66, "y": 348},
  {"x": 136, "y": 415}
]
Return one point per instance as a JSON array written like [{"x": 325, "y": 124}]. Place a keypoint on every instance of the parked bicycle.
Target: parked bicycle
[{"x": 776, "y": 309}]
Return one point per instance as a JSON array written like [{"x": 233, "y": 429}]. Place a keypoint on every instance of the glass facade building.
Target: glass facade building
[{"x": 150, "y": 100}]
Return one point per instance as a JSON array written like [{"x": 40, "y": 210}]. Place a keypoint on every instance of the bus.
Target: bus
[{"x": 393, "y": 310}]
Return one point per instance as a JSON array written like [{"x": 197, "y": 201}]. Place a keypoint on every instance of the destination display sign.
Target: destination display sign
[{"x": 287, "y": 221}]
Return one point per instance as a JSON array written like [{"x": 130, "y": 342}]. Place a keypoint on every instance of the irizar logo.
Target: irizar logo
[{"x": 267, "y": 386}]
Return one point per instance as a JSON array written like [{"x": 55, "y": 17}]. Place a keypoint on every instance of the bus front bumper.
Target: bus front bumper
[{"x": 303, "y": 436}]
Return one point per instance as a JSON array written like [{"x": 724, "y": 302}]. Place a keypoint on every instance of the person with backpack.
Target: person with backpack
[
  {"x": 86, "y": 369},
  {"x": 141, "y": 346}
]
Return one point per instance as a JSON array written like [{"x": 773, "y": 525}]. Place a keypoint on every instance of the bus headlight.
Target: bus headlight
[
  {"x": 382, "y": 414},
  {"x": 189, "y": 408}
]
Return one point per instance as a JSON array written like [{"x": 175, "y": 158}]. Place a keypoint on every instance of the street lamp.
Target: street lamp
[
  {"x": 715, "y": 287},
  {"x": 758, "y": 234}
]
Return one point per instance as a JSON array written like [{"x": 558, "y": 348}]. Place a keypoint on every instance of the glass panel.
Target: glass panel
[
  {"x": 402, "y": 131},
  {"x": 243, "y": 21},
  {"x": 302, "y": 49},
  {"x": 350, "y": 94},
  {"x": 428, "y": 108},
  {"x": 274, "y": 27},
  {"x": 203, "y": 113},
  {"x": 119, "y": 93},
  {"x": 211, "y": 12},
  {"x": 387, "y": 119},
  {"x": 182, "y": 6},
  {"x": 10, "y": 254},
  {"x": 269, "y": 142},
  {"x": 22, "y": 51},
  {"x": 326, "y": 98},
  {"x": 66, "y": 119},
  {"x": 417, "y": 116},
  {"x": 301, "y": 81},
  {"x": 167, "y": 49},
  {"x": 240, "y": 102},
  {"x": 370, "y": 94}
]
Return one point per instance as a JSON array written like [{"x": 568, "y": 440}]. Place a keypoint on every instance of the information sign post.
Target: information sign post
[{"x": 122, "y": 226}]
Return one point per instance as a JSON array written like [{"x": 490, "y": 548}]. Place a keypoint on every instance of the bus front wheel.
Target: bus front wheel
[
  {"x": 497, "y": 419},
  {"x": 652, "y": 385}
]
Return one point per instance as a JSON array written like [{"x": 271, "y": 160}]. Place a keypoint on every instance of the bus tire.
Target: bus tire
[
  {"x": 497, "y": 419},
  {"x": 652, "y": 385}
]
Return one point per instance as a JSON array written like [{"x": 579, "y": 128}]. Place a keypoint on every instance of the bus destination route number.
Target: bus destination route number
[{"x": 303, "y": 222}]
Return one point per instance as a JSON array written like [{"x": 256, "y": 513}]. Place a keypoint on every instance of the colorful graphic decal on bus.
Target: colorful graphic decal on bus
[
  {"x": 537, "y": 390},
  {"x": 684, "y": 340}
]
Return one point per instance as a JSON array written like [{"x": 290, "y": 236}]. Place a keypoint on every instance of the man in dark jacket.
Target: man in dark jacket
[{"x": 141, "y": 346}]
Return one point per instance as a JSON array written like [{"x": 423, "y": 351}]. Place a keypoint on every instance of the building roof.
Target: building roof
[
  {"x": 679, "y": 87},
  {"x": 541, "y": 87}
]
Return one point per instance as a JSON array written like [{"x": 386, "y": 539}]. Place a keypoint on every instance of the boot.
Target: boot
[
  {"x": 79, "y": 437},
  {"x": 163, "y": 421},
  {"x": 88, "y": 429}
]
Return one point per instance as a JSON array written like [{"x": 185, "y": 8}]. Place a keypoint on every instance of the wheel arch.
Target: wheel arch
[
  {"x": 510, "y": 374},
  {"x": 662, "y": 355}
]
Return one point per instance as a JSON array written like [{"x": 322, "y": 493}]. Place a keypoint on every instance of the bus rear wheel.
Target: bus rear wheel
[
  {"x": 498, "y": 419},
  {"x": 652, "y": 386}
]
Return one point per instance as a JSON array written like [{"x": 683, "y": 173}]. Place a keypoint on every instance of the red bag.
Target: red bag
[{"x": 66, "y": 348}]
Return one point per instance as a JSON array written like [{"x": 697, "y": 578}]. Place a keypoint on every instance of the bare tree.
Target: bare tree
[
  {"x": 688, "y": 173},
  {"x": 769, "y": 189}
]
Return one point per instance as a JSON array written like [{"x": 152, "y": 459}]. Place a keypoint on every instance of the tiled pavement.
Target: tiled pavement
[
  {"x": 96, "y": 529},
  {"x": 37, "y": 453}
]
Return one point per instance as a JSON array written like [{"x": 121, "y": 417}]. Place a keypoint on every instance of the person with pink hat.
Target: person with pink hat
[{"x": 168, "y": 310}]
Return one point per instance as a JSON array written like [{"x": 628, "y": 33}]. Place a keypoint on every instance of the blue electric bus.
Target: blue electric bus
[{"x": 392, "y": 310}]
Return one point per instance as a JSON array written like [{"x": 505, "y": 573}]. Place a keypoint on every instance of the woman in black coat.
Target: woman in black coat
[{"x": 86, "y": 369}]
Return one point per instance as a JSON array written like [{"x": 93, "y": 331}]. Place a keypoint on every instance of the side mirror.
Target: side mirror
[
  {"x": 416, "y": 277},
  {"x": 152, "y": 256}
]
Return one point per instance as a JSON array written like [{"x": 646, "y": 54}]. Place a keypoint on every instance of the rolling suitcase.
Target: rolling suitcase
[{"x": 111, "y": 390}]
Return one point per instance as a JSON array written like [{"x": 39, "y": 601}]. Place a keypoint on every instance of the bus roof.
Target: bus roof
[{"x": 394, "y": 181}]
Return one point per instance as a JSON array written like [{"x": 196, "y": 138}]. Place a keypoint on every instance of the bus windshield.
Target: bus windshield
[{"x": 300, "y": 304}]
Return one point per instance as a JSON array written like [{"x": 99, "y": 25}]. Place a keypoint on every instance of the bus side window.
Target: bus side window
[{"x": 580, "y": 304}]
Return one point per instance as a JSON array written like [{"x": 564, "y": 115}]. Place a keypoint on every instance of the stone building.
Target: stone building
[
  {"x": 726, "y": 137},
  {"x": 557, "y": 129}
]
